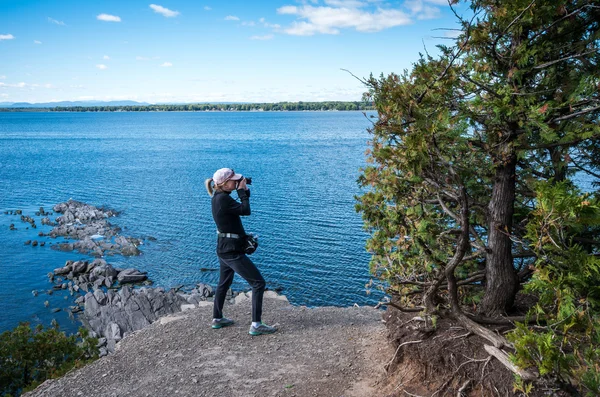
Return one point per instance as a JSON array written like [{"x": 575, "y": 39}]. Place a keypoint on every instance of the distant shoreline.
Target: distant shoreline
[{"x": 207, "y": 107}]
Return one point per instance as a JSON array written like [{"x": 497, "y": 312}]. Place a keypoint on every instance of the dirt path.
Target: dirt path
[{"x": 317, "y": 352}]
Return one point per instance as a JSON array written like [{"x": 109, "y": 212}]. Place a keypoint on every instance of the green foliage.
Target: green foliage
[
  {"x": 486, "y": 143},
  {"x": 567, "y": 282},
  {"x": 30, "y": 356}
]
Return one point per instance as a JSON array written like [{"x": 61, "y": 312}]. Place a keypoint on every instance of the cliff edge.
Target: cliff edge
[{"x": 322, "y": 352}]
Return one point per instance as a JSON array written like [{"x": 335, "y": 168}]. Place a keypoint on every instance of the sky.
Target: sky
[{"x": 173, "y": 51}]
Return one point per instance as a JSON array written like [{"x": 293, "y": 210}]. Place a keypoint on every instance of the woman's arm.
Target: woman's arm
[{"x": 243, "y": 208}]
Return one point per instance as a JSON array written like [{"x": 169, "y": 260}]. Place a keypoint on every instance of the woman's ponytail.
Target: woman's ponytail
[{"x": 209, "y": 186}]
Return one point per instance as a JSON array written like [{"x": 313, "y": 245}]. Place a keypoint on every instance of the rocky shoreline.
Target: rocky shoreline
[
  {"x": 86, "y": 225},
  {"x": 111, "y": 308},
  {"x": 112, "y": 302}
]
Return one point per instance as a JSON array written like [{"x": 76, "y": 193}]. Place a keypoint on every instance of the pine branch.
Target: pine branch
[{"x": 550, "y": 63}]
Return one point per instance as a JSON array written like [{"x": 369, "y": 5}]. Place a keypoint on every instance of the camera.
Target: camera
[{"x": 248, "y": 180}]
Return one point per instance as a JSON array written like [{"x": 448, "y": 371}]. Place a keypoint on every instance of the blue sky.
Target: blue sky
[{"x": 202, "y": 51}]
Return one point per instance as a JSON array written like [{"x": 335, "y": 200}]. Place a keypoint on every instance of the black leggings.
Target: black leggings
[{"x": 242, "y": 265}]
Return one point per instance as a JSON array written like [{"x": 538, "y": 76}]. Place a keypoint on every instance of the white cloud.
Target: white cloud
[
  {"x": 139, "y": 58},
  {"x": 287, "y": 10},
  {"x": 231, "y": 18},
  {"x": 249, "y": 23},
  {"x": 105, "y": 57},
  {"x": 108, "y": 18},
  {"x": 345, "y": 3},
  {"x": 268, "y": 25},
  {"x": 37, "y": 42},
  {"x": 102, "y": 67},
  {"x": 329, "y": 20},
  {"x": 2, "y": 77},
  {"x": 52, "y": 20},
  {"x": 207, "y": 8},
  {"x": 422, "y": 10},
  {"x": 18, "y": 85},
  {"x": 48, "y": 85},
  {"x": 6, "y": 37},
  {"x": 164, "y": 11},
  {"x": 166, "y": 65},
  {"x": 265, "y": 37}
]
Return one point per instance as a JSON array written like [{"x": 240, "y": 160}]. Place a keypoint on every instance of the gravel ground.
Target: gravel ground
[{"x": 322, "y": 352}]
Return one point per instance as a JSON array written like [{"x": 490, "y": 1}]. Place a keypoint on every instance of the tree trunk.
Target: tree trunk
[{"x": 501, "y": 279}]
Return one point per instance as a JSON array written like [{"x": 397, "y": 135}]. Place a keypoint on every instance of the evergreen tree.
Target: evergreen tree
[{"x": 465, "y": 145}]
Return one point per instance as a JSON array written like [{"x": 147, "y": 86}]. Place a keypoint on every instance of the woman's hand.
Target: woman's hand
[{"x": 242, "y": 184}]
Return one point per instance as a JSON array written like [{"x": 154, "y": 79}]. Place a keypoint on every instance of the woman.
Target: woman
[{"x": 230, "y": 247}]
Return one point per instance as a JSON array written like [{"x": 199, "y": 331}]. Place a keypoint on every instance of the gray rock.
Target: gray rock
[
  {"x": 62, "y": 270},
  {"x": 205, "y": 290},
  {"x": 101, "y": 342},
  {"x": 137, "y": 320},
  {"x": 131, "y": 276},
  {"x": 79, "y": 267},
  {"x": 113, "y": 331},
  {"x": 110, "y": 345},
  {"x": 144, "y": 306},
  {"x": 125, "y": 293},
  {"x": 100, "y": 296},
  {"x": 104, "y": 270},
  {"x": 110, "y": 296},
  {"x": 130, "y": 250},
  {"x": 99, "y": 282},
  {"x": 98, "y": 262},
  {"x": 63, "y": 247},
  {"x": 91, "y": 306}
]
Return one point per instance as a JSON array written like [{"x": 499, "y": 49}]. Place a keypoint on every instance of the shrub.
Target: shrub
[{"x": 28, "y": 356}]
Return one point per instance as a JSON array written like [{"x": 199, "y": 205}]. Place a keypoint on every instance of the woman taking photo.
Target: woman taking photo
[{"x": 231, "y": 244}]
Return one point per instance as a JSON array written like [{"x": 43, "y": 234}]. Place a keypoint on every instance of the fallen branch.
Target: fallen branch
[
  {"x": 505, "y": 320},
  {"x": 505, "y": 360}
]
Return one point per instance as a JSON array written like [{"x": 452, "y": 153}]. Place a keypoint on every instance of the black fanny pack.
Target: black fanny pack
[{"x": 250, "y": 241}]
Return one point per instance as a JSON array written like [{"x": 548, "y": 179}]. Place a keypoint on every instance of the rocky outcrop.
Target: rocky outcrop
[
  {"x": 86, "y": 275},
  {"x": 113, "y": 315},
  {"x": 89, "y": 226}
]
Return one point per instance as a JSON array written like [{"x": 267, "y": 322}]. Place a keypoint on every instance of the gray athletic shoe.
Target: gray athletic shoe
[
  {"x": 221, "y": 322},
  {"x": 262, "y": 329}
]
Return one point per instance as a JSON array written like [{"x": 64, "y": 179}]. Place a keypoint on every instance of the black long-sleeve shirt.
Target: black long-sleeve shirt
[{"x": 226, "y": 212}]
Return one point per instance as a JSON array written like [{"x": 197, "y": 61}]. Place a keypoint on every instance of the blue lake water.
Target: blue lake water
[{"x": 152, "y": 167}]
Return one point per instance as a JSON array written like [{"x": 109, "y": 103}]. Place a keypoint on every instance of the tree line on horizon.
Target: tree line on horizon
[{"x": 208, "y": 107}]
